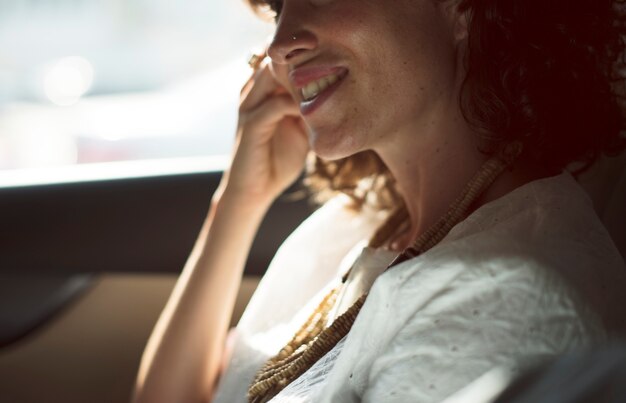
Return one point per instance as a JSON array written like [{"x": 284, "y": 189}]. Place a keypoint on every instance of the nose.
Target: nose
[{"x": 292, "y": 37}]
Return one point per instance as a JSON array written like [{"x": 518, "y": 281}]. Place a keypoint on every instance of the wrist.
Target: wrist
[{"x": 227, "y": 199}]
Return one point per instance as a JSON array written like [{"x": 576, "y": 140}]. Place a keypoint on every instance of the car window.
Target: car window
[{"x": 85, "y": 81}]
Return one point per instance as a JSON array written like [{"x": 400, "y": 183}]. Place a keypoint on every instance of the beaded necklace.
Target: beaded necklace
[{"x": 314, "y": 339}]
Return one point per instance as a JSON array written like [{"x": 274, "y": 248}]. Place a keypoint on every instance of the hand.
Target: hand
[{"x": 271, "y": 142}]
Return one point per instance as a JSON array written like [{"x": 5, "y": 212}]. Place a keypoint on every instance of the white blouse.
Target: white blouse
[{"x": 523, "y": 278}]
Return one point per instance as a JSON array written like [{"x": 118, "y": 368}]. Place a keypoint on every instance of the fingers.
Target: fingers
[
  {"x": 255, "y": 62},
  {"x": 248, "y": 85},
  {"x": 258, "y": 88},
  {"x": 272, "y": 111}
]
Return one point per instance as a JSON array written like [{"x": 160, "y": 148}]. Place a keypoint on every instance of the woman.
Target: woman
[{"x": 448, "y": 124}]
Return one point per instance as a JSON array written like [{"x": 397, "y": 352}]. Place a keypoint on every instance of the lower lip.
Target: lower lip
[{"x": 308, "y": 107}]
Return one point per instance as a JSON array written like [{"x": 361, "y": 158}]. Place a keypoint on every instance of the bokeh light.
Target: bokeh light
[{"x": 67, "y": 80}]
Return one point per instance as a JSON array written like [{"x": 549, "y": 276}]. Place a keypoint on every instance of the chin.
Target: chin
[{"x": 332, "y": 146}]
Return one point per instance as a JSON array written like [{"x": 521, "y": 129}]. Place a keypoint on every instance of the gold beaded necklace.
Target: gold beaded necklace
[{"x": 314, "y": 339}]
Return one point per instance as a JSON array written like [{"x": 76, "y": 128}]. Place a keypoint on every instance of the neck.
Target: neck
[{"x": 433, "y": 173}]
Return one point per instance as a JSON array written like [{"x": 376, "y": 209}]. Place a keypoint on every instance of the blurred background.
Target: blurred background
[
  {"x": 92, "y": 81},
  {"x": 116, "y": 120}
]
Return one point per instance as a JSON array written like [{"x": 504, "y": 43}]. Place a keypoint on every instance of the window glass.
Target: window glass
[{"x": 86, "y": 81}]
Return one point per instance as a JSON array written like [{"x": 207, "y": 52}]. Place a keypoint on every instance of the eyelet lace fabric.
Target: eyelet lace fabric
[{"x": 523, "y": 278}]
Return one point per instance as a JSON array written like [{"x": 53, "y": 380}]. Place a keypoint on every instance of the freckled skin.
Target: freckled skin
[
  {"x": 400, "y": 99},
  {"x": 401, "y": 69}
]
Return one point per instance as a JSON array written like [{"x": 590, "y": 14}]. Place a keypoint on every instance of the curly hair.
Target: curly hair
[
  {"x": 546, "y": 72},
  {"x": 549, "y": 73}
]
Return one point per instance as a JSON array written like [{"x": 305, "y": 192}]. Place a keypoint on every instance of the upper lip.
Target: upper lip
[{"x": 301, "y": 76}]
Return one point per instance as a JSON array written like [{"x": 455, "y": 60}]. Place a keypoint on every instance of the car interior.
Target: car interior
[
  {"x": 87, "y": 268},
  {"x": 90, "y": 254}
]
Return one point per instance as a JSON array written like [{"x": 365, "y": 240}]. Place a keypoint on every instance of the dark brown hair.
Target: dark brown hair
[{"x": 547, "y": 72}]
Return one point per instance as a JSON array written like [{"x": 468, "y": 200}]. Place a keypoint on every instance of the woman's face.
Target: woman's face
[{"x": 367, "y": 72}]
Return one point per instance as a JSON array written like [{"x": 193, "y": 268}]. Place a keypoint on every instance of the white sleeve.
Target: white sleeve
[
  {"x": 289, "y": 291},
  {"x": 304, "y": 264}
]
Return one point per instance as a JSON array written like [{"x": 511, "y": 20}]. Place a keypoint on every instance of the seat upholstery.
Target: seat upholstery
[{"x": 605, "y": 183}]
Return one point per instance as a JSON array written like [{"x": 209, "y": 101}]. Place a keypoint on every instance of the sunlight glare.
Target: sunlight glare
[{"x": 67, "y": 80}]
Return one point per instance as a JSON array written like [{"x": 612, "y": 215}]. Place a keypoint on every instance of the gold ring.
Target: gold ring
[{"x": 255, "y": 61}]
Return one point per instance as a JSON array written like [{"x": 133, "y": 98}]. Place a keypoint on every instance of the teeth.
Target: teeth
[{"x": 311, "y": 90}]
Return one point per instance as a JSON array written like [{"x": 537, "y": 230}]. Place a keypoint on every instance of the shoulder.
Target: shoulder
[
  {"x": 439, "y": 322},
  {"x": 306, "y": 262},
  {"x": 506, "y": 287},
  {"x": 336, "y": 218},
  {"x": 532, "y": 252},
  {"x": 327, "y": 235},
  {"x": 545, "y": 233}
]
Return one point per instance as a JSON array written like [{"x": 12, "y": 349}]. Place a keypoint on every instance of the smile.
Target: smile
[
  {"x": 312, "y": 89},
  {"x": 316, "y": 85}
]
